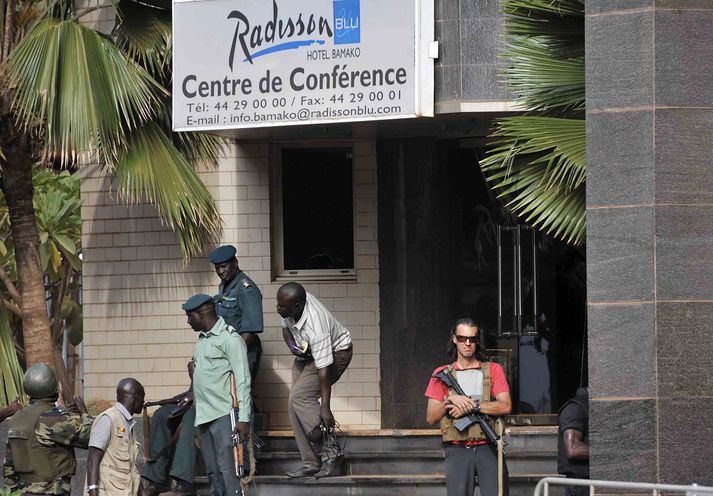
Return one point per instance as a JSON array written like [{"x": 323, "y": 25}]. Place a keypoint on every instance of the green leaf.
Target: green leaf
[
  {"x": 10, "y": 370},
  {"x": 153, "y": 170},
  {"x": 81, "y": 86},
  {"x": 538, "y": 165},
  {"x": 68, "y": 246}
]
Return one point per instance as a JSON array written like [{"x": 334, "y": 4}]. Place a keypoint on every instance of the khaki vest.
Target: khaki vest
[
  {"x": 474, "y": 432},
  {"x": 118, "y": 473},
  {"x": 57, "y": 461}
]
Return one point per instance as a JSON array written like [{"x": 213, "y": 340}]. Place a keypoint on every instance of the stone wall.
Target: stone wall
[{"x": 650, "y": 239}]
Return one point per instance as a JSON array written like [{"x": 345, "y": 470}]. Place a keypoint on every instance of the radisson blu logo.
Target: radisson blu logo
[
  {"x": 346, "y": 22},
  {"x": 278, "y": 33}
]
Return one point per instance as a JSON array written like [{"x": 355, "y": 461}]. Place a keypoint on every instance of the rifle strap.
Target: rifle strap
[
  {"x": 147, "y": 434},
  {"x": 499, "y": 430},
  {"x": 169, "y": 444}
]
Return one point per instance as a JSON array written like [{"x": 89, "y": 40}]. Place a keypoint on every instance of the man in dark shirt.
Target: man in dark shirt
[
  {"x": 239, "y": 302},
  {"x": 573, "y": 442}
]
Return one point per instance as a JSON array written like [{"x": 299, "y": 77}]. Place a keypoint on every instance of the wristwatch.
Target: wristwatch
[
  {"x": 93, "y": 486},
  {"x": 476, "y": 407}
]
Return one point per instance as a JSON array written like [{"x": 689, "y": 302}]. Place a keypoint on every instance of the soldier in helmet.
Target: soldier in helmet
[{"x": 42, "y": 437}]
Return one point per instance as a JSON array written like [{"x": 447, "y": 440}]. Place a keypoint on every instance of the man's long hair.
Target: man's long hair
[{"x": 480, "y": 342}]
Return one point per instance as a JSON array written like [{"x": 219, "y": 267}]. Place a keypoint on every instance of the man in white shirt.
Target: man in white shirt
[{"x": 323, "y": 349}]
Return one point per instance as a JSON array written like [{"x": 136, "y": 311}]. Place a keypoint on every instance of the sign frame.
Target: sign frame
[{"x": 423, "y": 78}]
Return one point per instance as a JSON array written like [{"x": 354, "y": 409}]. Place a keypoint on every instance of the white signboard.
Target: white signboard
[{"x": 253, "y": 63}]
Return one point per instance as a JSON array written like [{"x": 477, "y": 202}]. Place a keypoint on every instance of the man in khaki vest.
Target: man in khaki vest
[
  {"x": 469, "y": 453},
  {"x": 114, "y": 445}
]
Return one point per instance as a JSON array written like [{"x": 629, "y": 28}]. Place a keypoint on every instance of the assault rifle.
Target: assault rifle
[{"x": 463, "y": 423}]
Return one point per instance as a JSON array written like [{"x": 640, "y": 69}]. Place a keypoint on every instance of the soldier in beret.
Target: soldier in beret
[
  {"x": 220, "y": 353},
  {"x": 239, "y": 302},
  {"x": 42, "y": 437}
]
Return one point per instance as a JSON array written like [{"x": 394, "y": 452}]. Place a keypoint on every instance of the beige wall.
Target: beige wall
[{"x": 135, "y": 282}]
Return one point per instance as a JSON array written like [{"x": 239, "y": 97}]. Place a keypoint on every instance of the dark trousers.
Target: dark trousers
[
  {"x": 304, "y": 405},
  {"x": 217, "y": 449},
  {"x": 185, "y": 452},
  {"x": 576, "y": 490},
  {"x": 463, "y": 463}
]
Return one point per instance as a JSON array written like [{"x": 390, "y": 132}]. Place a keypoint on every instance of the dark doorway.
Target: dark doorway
[{"x": 449, "y": 249}]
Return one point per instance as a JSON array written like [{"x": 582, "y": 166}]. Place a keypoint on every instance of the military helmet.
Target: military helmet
[{"x": 40, "y": 381}]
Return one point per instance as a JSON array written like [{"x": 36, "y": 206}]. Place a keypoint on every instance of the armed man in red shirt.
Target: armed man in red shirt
[{"x": 469, "y": 452}]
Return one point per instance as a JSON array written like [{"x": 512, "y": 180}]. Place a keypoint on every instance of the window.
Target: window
[{"x": 314, "y": 213}]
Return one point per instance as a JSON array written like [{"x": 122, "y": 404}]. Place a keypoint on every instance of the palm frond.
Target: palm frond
[
  {"x": 541, "y": 78},
  {"x": 153, "y": 170},
  {"x": 557, "y": 145},
  {"x": 144, "y": 33},
  {"x": 538, "y": 164},
  {"x": 80, "y": 87},
  {"x": 558, "y": 18},
  {"x": 10, "y": 370}
]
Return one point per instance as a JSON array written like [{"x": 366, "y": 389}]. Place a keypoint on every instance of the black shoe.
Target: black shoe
[
  {"x": 303, "y": 471},
  {"x": 152, "y": 488},
  {"x": 183, "y": 488},
  {"x": 333, "y": 467}
]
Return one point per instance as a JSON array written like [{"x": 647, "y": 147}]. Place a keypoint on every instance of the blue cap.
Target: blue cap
[
  {"x": 222, "y": 254},
  {"x": 196, "y": 301}
]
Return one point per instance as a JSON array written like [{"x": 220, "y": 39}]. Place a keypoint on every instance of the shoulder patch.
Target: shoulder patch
[{"x": 246, "y": 283}]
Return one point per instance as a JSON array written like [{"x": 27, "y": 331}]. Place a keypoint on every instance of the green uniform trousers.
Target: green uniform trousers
[{"x": 185, "y": 452}]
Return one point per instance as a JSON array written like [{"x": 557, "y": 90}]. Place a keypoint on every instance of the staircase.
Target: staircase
[{"x": 397, "y": 462}]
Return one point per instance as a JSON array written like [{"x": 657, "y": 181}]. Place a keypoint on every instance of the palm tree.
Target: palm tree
[
  {"x": 71, "y": 95},
  {"x": 538, "y": 162}
]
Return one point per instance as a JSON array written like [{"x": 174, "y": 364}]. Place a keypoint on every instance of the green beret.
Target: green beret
[
  {"x": 196, "y": 301},
  {"x": 222, "y": 254}
]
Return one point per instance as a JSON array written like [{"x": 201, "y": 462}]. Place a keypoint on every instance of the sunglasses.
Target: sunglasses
[{"x": 463, "y": 339}]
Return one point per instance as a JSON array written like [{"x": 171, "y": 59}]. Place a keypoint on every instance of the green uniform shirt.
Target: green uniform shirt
[
  {"x": 219, "y": 352},
  {"x": 240, "y": 304}
]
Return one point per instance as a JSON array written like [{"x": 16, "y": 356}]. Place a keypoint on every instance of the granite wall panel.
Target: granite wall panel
[
  {"x": 606, "y": 6},
  {"x": 620, "y": 60},
  {"x": 623, "y": 434},
  {"x": 620, "y": 254},
  {"x": 614, "y": 331},
  {"x": 685, "y": 342},
  {"x": 686, "y": 438},
  {"x": 684, "y": 58},
  {"x": 684, "y": 252},
  {"x": 683, "y": 151},
  {"x": 621, "y": 173}
]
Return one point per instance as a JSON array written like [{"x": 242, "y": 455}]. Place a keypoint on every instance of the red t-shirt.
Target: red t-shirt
[{"x": 438, "y": 391}]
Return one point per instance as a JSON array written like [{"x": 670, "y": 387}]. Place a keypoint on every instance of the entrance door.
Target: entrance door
[
  {"x": 526, "y": 289},
  {"x": 448, "y": 249}
]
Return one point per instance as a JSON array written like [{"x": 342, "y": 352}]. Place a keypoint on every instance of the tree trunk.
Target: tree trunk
[{"x": 18, "y": 189}]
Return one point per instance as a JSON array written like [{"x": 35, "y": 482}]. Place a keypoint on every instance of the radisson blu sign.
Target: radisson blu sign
[{"x": 257, "y": 63}]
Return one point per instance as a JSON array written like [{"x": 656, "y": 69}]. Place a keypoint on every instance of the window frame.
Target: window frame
[{"x": 277, "y": 245}]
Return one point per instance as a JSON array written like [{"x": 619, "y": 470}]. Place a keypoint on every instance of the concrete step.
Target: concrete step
[
  {"x": 539, "y": 438},
  {"x": 406, "y": 462},
  {"x": 369, "y": 485}
]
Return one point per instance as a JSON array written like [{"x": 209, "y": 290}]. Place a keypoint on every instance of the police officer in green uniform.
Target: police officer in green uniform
[
  {"x": 41, "y": 438},
  {"x": 239, "y": 302}
]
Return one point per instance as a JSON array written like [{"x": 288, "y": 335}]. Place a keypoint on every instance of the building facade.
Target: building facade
[{"x": 414, "y": 268}]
